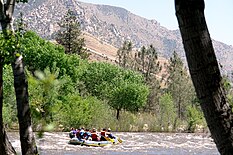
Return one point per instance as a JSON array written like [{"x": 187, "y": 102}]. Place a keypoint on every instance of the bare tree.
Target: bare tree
[{"x": 205, "y": 73}]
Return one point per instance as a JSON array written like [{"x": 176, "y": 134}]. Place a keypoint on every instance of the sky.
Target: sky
[{"x": 218, "y": 13}]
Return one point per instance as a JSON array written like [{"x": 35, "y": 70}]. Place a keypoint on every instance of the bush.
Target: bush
[
  {"x": 195, "y": 117},
  {"x": 89, "y": 112}
]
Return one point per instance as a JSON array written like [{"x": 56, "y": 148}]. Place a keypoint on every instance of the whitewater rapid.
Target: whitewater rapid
[{"x": 56, "y": 143}]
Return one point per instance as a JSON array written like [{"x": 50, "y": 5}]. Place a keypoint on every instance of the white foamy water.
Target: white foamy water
[{"x": 133, "y": 144}]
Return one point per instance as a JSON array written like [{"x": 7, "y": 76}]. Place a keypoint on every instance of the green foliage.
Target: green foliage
[
  {"x": 167, "y": 112},
  {"x": 8, "y": 46},
  {"x": 97, "y": 76},
  {"x": 6, "y": 115},
  {"x": 69, "y": 36},
  {"x": 125, "y": 94},
  {"x": 180, "y": 86},
  {"x": 124, "y": 54},
  {"x": 89, "y": 112},
  {"x": 44, "y": 89},
  {"x": 9, "y": 107},
  {"x": 69, "y": 91},
  {"x": 39, "y": 54},
  {"x": 195, "y": 117},
  {"x": 227, "y": 84},
  {"x": 123, "y": 89},
  {"x": 147, "y": 63}
]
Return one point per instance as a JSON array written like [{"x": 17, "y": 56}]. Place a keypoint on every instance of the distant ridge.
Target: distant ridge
[{"x": 113, "y": 25}]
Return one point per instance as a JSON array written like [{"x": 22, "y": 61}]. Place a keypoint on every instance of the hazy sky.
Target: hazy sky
[{"x": 219, "y": 14}]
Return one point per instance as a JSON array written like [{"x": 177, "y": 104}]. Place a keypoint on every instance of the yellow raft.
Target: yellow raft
[{"x": 109, "y": 141}]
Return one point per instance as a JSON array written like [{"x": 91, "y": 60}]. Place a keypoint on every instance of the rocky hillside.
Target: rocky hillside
[{"x": 111, "y": 25}]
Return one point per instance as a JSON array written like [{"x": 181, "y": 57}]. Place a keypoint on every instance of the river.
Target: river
[{"x": 133, "y": 144}]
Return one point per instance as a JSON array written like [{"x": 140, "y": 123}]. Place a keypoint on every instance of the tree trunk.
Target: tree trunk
[
  {"x": 205, "y": 72},
  {"x": 5, "y": 145},
  {"x": 118, "y": 114},
  {"x": 28, "y": 145}
]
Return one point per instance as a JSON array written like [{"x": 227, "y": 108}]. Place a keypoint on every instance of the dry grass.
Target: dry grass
[
  {"x": 99, "y": 46},
  {"x": 106, "y": 51}
]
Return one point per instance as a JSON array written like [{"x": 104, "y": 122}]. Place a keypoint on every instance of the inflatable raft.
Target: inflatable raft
[{"x": 76, "y": 141}]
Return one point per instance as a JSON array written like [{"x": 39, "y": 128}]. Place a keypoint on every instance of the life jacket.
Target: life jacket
[
  {"x": 94, "y": 136},
  {"x": 77, "y": 134},
  {"x": 103, "y": 133}
]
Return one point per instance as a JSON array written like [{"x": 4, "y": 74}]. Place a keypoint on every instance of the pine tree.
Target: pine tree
[
  {"x": 147, "y": 63},
  {"x": 124, "y": 54},
  {"x": 179, "y": 85},
  {"x": 69, "y": 36}
]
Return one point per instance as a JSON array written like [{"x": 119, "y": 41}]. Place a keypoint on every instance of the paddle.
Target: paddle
[
  {"x": 120, "y": 141},
  {"x": 109, "y": 139}
]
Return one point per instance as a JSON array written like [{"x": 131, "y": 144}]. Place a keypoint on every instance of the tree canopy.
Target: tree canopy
[{"x": 124, "y": 89}]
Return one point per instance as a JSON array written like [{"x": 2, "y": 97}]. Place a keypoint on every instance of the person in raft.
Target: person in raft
[
  {"x": 94, "y": 135},
  {"x": 109, "y": 134},
  {"x": 78, "y": 134},
  {"x": 87, "y": 134},
  {"x": 103, "y": 134},
  {"x": 72, "y": 133}
]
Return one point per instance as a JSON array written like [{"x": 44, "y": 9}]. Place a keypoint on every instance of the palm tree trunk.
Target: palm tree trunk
[
  {"x": 205, "y": 72},
  {"x": 28, "y": 145},
  {"x": 5, "y": 145}
]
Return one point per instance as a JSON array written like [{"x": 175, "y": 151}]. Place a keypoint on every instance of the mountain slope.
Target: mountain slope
[{"x": 112, "y": 25}]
